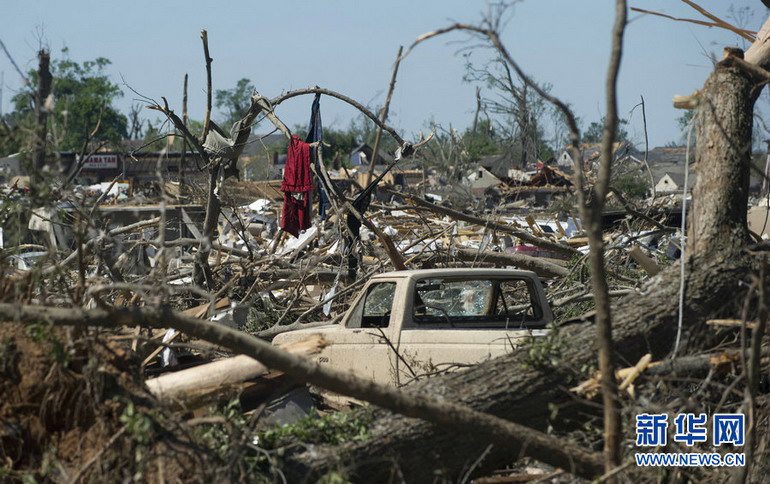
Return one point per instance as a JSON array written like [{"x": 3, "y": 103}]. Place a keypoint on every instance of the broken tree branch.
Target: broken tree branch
[
  {"x": 538, "y": 265},
  {"x": 592, "y": 216},
  {"x": 384, "y": 115},
  {"x": 747, "y": 33},
  {"x": 366, "y": 112},
  {"x": 207, "y": 57},
  {"x": 721, "y": 23}
]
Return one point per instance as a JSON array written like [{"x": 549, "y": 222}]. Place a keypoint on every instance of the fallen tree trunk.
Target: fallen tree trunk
[{"x": 517, "y": 388}]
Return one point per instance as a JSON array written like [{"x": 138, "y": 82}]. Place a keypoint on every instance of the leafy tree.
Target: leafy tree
[
  {"x": 83, "y": 97},
  {"x": 684, "y": 126},
  {"x": 234, "y": 103},
  {"x": 341, "y": 143},
  {"x": 596, "y": 129},
  {"x": 482, "y": 141},
  {"x": 633, "y": 184}
]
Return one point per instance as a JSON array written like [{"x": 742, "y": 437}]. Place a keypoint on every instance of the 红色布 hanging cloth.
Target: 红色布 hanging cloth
[{"x": 297, "y": 188}]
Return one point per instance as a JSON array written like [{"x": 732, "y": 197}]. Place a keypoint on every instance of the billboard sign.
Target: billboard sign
[{"x": 101, "y": 162}]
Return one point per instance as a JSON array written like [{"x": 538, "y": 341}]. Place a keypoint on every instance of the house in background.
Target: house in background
[
  {"x": 591, "y": 152},
  {"x": 673, "y": 182},
  {"x": 497, "y": 165},
  {"x": 362, "y": 156},
  {"x": 481, "y": 179}
]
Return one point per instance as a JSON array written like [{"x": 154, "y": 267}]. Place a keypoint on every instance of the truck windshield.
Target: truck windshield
[{"x": 475, "y": 302}]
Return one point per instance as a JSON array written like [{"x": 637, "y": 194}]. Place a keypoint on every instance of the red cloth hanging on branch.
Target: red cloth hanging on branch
[{"x": 297, "y": 188}]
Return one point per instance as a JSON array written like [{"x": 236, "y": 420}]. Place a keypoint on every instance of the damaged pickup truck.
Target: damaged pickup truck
[{"x": 407, "y": 324}]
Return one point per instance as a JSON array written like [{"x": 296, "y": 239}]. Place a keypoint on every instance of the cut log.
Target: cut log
[{"x": 200, "y": 383}]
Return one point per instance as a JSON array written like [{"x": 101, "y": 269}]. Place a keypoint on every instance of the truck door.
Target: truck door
[
  {"x": 454, "y": 322},
  {"x": 363, "y": 344}
]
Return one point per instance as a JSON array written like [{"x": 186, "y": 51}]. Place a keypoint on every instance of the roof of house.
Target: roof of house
[
  {"x": 678, "y": 178},
  {"x": 498, "y": 165},
  {"x": 382, "y": 156},
  {"x": 668, "y": 155}
]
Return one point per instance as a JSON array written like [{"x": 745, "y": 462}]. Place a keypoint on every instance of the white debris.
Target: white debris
[
  {"x": 294, "y": 245},
  {"x": 259, "y": 205}
]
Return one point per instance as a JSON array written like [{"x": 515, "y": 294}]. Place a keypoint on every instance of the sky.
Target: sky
[{"x": 349, "y": 46}]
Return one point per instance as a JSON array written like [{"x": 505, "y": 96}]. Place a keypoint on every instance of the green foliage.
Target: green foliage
[
  {"x": 153, "y": 138},
  {"x": 215, "y": 437},
  {"x": 232, "y": 441},
  {"x": 13, "y": 218},
  {"x": 481, "y": 142},
  {"x": 334, "y": 428},
  {"x": 83, "y": 97},
  {"x": 341, "y": 142},
  {"x": 684, "y": 126},
  {"x": 156, "y": 139},
  {"x": 632, "y": 184},
  {"x": 234, "y": 103},
  {"x": 13, "y": 128},
  {"x": 138, "y": 425},
  {"x": 595, "y": 131},
  {"x": 544, "y": 351},
  {"x": 333, "y": 478}
]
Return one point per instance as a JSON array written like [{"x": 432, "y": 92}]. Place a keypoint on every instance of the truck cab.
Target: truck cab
[{"x": 406, "y": 325}]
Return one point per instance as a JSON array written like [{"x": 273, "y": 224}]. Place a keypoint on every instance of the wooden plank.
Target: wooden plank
[{"x": 190, "y": 225}]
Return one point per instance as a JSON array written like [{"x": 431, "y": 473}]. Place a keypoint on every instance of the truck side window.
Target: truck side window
[{"x": 374, "y": 309}]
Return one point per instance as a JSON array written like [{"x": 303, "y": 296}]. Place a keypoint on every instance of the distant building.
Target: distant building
[
  {"x": 362, "y": 155},
  {"x": 497, "y": 165},
  {"x": 673, "y": 182},
  {"x": 668, "y": 155},
  {"x": 591, "y": 152},
  {"x": 138, "y": 168},
  {"x": 481, "y": 179}
]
